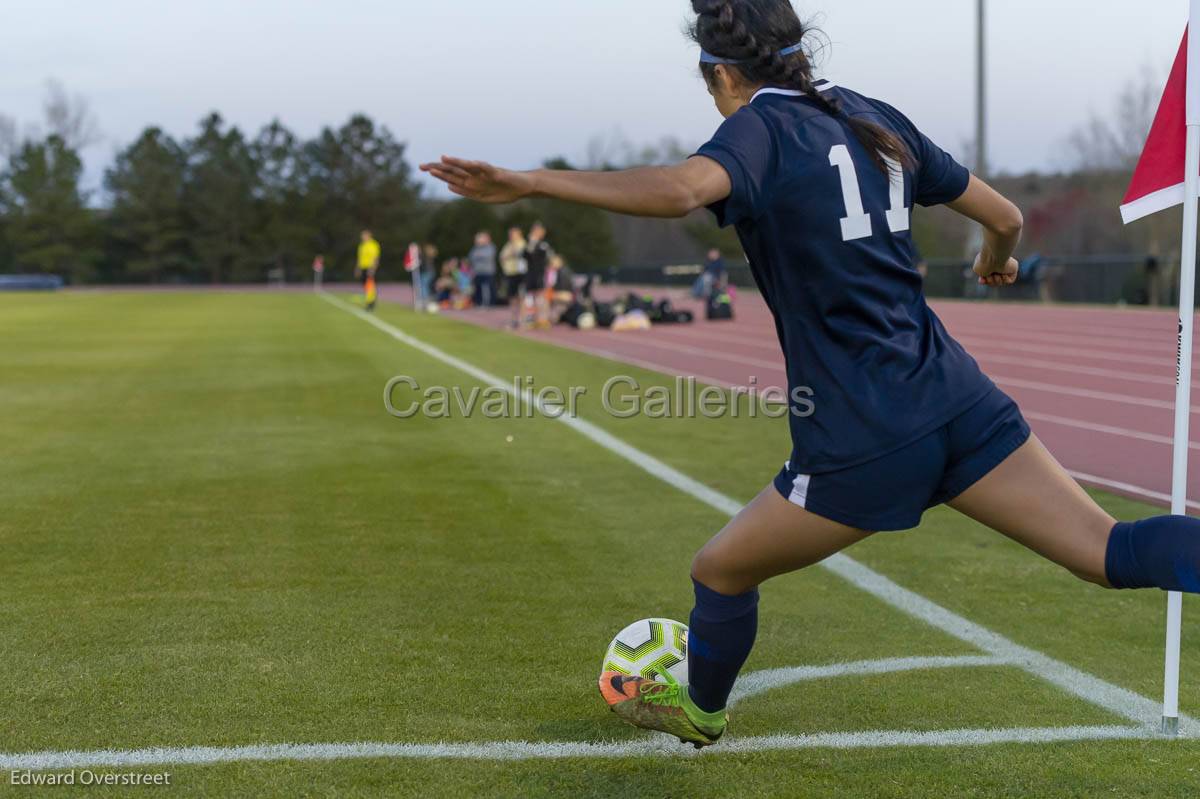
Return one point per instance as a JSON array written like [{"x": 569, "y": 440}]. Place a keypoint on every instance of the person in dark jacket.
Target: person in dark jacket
[
  {"x": 538, "y": 253},
  {"x": 714, "y": 276}
]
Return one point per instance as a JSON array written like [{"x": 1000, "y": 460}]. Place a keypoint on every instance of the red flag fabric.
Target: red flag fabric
[{"x": 1158, "y": 181}]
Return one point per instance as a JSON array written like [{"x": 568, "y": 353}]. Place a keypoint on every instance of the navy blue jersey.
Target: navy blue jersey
[{"x": 827, "y": 235}]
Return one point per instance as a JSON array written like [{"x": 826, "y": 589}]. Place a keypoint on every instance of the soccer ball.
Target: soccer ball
[{"x": 652, "y": 648}]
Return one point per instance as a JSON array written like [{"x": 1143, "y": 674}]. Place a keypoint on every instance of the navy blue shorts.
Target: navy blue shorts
[{"x": 893, "y": 491}]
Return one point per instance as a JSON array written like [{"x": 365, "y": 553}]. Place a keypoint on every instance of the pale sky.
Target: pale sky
[{"x": 522, "y": 80}]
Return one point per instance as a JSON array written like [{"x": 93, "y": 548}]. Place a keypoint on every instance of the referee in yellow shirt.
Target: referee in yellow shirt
[{"x": 368, "y": 264}]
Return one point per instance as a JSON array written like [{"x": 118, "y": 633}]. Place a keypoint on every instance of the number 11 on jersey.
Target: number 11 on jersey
[{"x": 857, "y": 222}]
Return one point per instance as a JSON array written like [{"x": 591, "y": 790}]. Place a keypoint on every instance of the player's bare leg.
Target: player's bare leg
[
  {"x": 770, "y": 537},
  {"x": 1031, "y": 499}
]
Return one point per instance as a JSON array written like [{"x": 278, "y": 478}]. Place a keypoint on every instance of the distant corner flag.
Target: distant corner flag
[{"x": 1167, "y": 175}]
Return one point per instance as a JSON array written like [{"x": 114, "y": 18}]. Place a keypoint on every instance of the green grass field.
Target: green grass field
[{"x": 214, "y": 535}]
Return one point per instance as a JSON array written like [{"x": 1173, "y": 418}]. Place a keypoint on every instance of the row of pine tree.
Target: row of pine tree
[{"x": 222, "y": 206}]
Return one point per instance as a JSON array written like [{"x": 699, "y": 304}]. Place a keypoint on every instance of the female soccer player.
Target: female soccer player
[{"x": 820, "y": 182}]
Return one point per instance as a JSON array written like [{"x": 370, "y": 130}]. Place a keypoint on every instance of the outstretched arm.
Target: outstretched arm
[
  {"x": 659, "y": 191},
  {"x": 1002, "y": 223}
]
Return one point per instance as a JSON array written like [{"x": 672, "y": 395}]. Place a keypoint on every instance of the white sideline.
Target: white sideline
[
  {"x": 524, "y": 750},
  {"x": 750, "y": 685},
  {"x": 1113, "y": 698}
]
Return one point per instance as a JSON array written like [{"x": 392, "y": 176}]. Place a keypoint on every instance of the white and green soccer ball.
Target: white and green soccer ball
[{"x": 652, "y": 648}]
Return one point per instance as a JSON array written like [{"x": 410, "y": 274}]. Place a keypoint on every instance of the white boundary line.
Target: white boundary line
[
  {"x": 1112, "y": 698},
  {"x": 999, "y": 650},
  {"x": 759, "y": 682},
  {"x": 524, "y": 750},
  {"x": 751, "y": 685}
]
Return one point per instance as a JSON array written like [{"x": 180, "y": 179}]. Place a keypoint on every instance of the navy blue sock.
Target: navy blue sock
[
  {"x": 720, "y": 636},
  {"x": 1155, "y": 553}
]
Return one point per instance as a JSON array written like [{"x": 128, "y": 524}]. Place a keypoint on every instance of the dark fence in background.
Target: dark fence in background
[
  {"x": 675, "y": 275},
  {"x": 1101, "y": 280}
]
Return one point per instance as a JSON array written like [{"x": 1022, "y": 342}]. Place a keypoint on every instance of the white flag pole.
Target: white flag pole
[{"x": 1183, "y": 391}]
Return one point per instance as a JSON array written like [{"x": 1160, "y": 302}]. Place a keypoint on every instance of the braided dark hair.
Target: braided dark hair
[{"x": 753, "y": 32}]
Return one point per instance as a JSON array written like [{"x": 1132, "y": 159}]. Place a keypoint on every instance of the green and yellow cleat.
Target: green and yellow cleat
[{"x": 659, "y": 706}]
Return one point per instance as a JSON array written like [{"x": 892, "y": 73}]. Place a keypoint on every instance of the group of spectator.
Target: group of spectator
[
  {"x": 520, "y": 274},
  {"x": 526, "y": 274}
]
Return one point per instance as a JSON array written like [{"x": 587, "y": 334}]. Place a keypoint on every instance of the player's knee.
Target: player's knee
[
  {"x": 711, "y": 570},
  {"x": 705, "y": 566}
]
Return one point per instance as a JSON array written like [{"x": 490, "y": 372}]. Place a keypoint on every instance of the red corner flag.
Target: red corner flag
[
  {"x": 1159, "y": 177},
  {"x": 1167, "y": 175}
]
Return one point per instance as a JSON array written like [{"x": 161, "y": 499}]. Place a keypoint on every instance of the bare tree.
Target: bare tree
[
  {"x": 69, "y": 117},
  {"x": 668, "y": 150},
  {"x": 614, "y": 150},
  {"x": 608, "y": 150},
  {"x": 8, "y": 136},
  {"x": 1113, "y": 141}
]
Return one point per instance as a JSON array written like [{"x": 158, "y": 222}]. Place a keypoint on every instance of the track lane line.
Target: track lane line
[
  {"x": 1128, "y": 488},
  {"x": 722, "y": 355},
  {"x": 1085, "y": 393},
  {"x": 1070, "y": 368},
  {"x": 1104, "y": 429},
  {"x": 975, "y": 346}
]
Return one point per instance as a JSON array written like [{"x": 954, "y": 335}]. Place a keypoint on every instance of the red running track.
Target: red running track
[{"x": 1096, "y": 384}]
